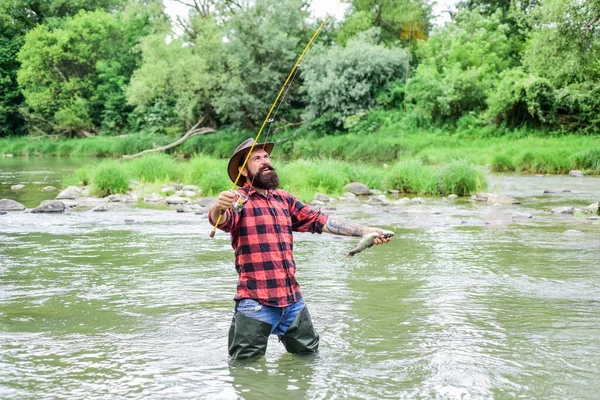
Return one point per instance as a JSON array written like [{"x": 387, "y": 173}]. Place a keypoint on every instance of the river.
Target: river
[{"x": 469, "y": 300}]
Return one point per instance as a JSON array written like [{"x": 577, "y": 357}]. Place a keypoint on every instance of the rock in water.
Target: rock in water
[
  {"x": 49, "y": 207},
  {"x": 11, "y": 205}
]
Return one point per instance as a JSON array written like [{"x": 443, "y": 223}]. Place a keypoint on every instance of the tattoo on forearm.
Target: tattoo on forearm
[{"x": 341, "y": 227}]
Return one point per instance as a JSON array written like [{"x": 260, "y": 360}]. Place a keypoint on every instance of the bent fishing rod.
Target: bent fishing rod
[{"x": 268, "y": 117}]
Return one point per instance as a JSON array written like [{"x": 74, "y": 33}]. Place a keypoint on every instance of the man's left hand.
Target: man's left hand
[{"x": 378, "y": 240}]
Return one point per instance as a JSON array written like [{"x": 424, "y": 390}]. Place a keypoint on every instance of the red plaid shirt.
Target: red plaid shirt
[{"x": 261, "y": 237}]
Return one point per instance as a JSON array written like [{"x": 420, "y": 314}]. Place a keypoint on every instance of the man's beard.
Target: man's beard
[{"x": 264, "y": 180}]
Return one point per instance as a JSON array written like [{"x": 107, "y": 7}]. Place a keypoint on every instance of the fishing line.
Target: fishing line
[{"x": 406, "y": 86}]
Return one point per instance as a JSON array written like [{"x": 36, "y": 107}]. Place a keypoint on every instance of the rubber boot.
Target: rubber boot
[
  {"x": 247, "y": 337},
  {"x": 301, "y": 336}
]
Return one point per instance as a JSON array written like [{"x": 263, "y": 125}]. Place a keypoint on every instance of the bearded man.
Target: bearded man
[{"x": 268, "y": 299}]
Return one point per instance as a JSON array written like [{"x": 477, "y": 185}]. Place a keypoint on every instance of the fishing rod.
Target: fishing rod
[{"x": 268, "y": 117}]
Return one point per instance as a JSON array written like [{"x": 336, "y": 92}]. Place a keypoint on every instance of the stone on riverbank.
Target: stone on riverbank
[
  {"x": 11, "y": 205},
  {"x": 49, "y": 207},
  {"x": 123, "y": 198},
  {"x": 192, "y": 188},
  {"x": 322, "y": 197},
  {"x": 70, "y": 193},
  {"x": 153, "y": 198},
  {"x": 207, "y": 201},
  {"x": 177, "y": 200},
  {"x": 357, "y": 188},
  {"x": 576, "y": 173}
]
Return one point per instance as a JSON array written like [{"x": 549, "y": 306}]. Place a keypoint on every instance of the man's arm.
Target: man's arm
[{"x": 338, "y": 226}]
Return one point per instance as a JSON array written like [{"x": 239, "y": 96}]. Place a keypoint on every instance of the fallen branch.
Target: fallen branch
[{"x": 194, "y": 131}]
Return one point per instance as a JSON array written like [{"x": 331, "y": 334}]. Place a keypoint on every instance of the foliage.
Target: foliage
[
  {"x": 73, "y": 77},
  {"x": 16, "y": 18},
  {"x": 264, "y": 42},
  {"x": 459, "y": 65},
  {"x": 340, "y": 82},
  {"x": 399, "y": 20},
  {"x": 522, "y": 99}
]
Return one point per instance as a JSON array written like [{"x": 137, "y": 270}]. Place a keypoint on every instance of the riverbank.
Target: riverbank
[{"x": 519, "y": 152}]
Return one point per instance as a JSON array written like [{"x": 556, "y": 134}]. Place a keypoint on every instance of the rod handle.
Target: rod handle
[{"x": 214, "y": 229}]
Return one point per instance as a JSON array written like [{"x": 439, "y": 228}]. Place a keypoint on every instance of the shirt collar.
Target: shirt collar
[{"x": 251, "y": 190}]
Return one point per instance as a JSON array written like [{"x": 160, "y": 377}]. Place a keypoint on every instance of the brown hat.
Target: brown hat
[{"x": 239, "y": 155}]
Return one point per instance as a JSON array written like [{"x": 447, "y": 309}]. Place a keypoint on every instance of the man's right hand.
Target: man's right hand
[{"x": 225, "y": 201}]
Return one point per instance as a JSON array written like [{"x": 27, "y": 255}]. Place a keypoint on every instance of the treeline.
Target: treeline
[{"x": 109, "y": 67}]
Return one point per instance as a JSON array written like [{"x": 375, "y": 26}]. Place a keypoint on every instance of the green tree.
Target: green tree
[
  {"x": 398, "y": 20},
  {"x": 229, "y": 65},
  {"x": 459, "y": 66},
  {"x": 73, "y": 77},
  {"x": 565, "y": 49},
  {"x": 343, "y": 81},
  {"x": 263, "y": 43},
  {"x": 17, "y": 17}
]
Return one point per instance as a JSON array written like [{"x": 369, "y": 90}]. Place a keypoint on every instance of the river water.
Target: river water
[{"x": 468, "y": 300}]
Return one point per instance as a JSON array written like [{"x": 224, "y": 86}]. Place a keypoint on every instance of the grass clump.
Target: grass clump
[
  {"x": 461, "y": 178},
  {"x": 110, "y": 177},
  {"x": 208, "y": 173},
  {"x": 156, "y": 168},
  {"x": 412, "y": 177}
]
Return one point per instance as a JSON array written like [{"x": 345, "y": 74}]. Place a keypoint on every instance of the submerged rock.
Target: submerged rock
[
  {"x": 48, "y": 188},
  {"x": 379, "y": 200},
  {"x": 11, "y": 205},
  {"x": 522, "y": 216},
  {"x": 495, "y": 199},
  {"x": 549, "y": 191},
  {"x": 593, "y": 208},
  {"x": 573, "y": 232},
  {"x": 17, "y": 187},
  {"x": 563, "y": 210},
  {"x": 50, "y": 207}
]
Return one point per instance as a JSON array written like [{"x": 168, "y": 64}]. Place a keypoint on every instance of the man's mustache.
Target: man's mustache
[{"x": 266, "y": 168}]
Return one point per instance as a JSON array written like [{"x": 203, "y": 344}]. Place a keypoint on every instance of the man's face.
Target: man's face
[{"x": 259, "y": 171}]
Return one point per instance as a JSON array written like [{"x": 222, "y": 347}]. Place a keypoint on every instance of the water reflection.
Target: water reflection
[{"x": 288, "y": 377}]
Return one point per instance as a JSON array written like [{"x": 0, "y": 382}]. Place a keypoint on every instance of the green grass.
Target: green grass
[{"x": 109, "y": 177}]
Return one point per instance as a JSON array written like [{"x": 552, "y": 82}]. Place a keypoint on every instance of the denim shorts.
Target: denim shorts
[{"x": 279, "y": 317}]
